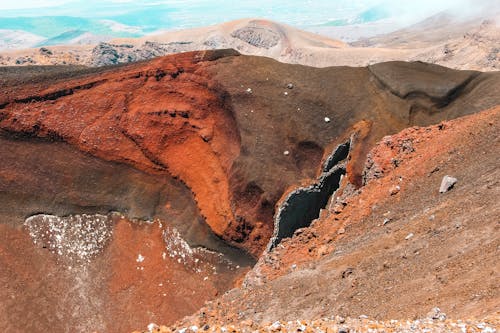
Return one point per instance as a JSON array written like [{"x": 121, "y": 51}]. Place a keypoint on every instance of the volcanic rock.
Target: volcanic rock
[
  {"x": 444, "y": 265},
  {"x": 179, "y": 140},
  {"x": 155, "y": 117},
  {"x": 447, "y": 183}
]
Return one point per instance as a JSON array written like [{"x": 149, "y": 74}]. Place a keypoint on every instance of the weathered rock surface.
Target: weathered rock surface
[{"x": 447, "y": 184}]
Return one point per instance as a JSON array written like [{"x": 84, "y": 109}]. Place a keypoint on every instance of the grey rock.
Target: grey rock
[
  {"x": 257, "y": 36},
  {"x": 447, "y": 184},
  {"x": 437, "y": 314},
  {"x": 45, "y": 51},
  {"x": 104, "y": 54}
]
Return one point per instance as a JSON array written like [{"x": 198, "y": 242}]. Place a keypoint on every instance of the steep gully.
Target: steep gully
[{"x": 300, "y": 207}]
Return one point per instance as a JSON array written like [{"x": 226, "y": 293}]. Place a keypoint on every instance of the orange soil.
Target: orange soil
[{"x": 114, "y": 292}]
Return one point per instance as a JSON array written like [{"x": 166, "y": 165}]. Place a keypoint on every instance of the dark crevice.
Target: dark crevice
[
  {"x": 58, "y": 94},
  {"x": 340, "y": 154},
  {"x": 304, "y": 204},
  {"x": 457, "y": 91},
  {"x": 176, "y": 74},
  {"x": 149, "y": 155},
  {"x": 3, "y": 116}
]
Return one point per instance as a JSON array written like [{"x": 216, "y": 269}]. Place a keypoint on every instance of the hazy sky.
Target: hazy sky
[
  {"x": 22, "y": 4},
  {"x": 291, "y": 11}
]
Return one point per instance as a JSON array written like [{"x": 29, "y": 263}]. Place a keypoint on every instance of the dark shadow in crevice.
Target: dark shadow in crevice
[{"x": 304, "y": 204}]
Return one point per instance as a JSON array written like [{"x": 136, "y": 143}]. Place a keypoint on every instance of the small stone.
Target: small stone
[
  {"x": 285, "y": 93},
  {"x": 327, "y": 120},
  {"x": 447, "y": 184},
  {"x": 394, "y": 190},
  {"x": 436, "y": 314},
  {"x": 323, "y": 250},
  {"x": 45, "y": 51},
  {"x": 410, "y": 235},
  {"x": 152, "y": 327},
  {"x": 386, "y": 220},
  {"x": 249, "y": 90},
  {"x": 276, "y": 326},
  {"x": 289, "y": 86},
  {"x": 341, "y": 231},
  {"x": 347, "y": 272},
  {"x": 337, "y": 208},
  {"x": 286, "y": 153}
]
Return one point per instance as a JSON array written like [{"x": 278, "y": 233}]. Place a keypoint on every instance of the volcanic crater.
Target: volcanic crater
[{"x": 195, "y": 160}]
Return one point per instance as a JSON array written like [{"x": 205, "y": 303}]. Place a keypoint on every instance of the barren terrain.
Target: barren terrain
[
  {"x": 183, "y": 168},
  {"x": 389, "y": 254}
]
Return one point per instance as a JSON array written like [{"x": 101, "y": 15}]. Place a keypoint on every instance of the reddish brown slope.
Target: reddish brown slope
[
  {"x": 146, "y": 115},
  {"x": 434, "y": 249},
  {"x": 216, "y": 121},
  {"x": 114, "y": 293},
  {"x": 221, "y": 123}
]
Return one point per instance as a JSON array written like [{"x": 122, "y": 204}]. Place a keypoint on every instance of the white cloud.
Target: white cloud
[
  {"x": 25, "y": 4},
  {"x": 118, "y": 27}
]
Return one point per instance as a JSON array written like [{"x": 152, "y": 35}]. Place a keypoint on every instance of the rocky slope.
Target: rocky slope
[
  {"x": 184, "y": 141},
  {"x": 394, "y": 249},
  {"x": 461, "y": 44},
  {"x": 226, "y": 137}
]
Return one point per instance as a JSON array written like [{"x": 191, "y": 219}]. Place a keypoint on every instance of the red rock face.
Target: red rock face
[{"x": 163, "y": 116}]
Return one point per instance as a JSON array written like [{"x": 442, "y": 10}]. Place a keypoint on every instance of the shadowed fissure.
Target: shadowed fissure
[{"x": 304, "y": 204}]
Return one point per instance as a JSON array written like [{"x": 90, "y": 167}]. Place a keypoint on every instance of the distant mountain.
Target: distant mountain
[
  {"x": 25, "y": 32},
  {"x": 72, "y": 37},
  {"x": 15, "y": 39}
]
